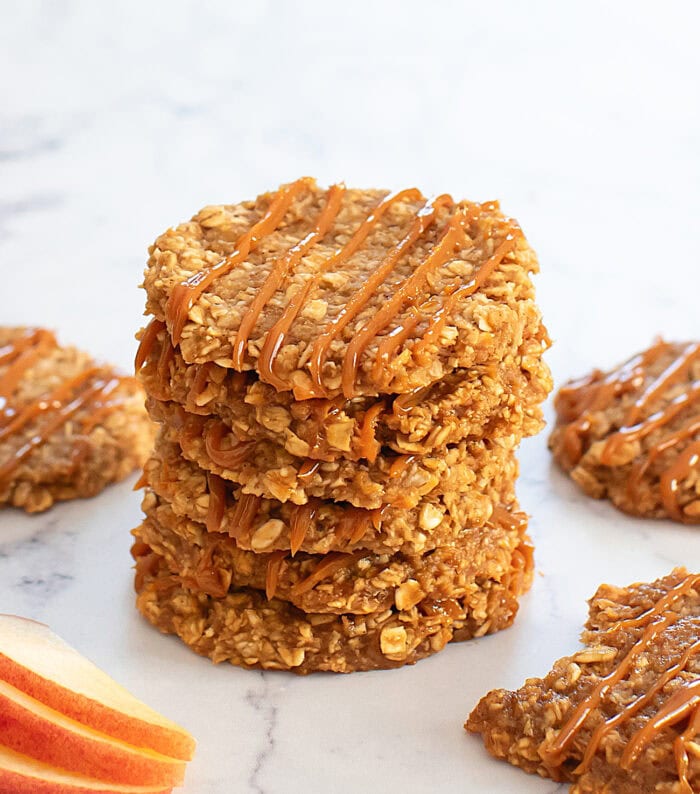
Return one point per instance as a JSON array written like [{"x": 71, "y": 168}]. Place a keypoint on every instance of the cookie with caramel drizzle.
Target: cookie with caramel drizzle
[
  {"x": 328, "y": 292},
  {"x": 621, "y": 715},
  {"x": 357, "y": 582},
  {"x": 483, "y": 466},
  {"x": 317, "y": 527},
  {"x": 482, "y": 401},
  {"x": 247, "y": 629},
  {"x": 633, "y": 434},
  {"x": 68, "y": 426}
]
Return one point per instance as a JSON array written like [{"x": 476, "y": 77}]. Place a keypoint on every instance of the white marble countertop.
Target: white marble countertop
[{"x": 118, "y": 120}]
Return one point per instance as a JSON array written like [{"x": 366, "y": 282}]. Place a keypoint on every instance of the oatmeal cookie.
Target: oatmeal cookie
[
  {"x": 483, "y": 401},
  {"x": 623, "y": 714},
  {"x": 264, "y": 469},
  {"x": 246, "y": 629},
  {"x": 633, "y": 434},
  {"x": 352, "y": 292},
  {"x": 339, "y": 583},
  {"x": 68, "y": 426},
  {"x": 319, "y": 526}
]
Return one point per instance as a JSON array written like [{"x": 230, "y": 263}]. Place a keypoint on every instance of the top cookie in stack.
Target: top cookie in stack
[{"x": 377, "y": 351}]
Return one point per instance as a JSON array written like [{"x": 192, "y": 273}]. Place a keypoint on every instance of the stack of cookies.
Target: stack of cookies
[{"x": 342, "y": 378}]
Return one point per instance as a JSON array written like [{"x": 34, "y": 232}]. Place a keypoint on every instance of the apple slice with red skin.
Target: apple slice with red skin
[
  {"x": 35, "y": 730},
  {"x": 39, "y": 663},
  {"x": 22, "y": 775}
]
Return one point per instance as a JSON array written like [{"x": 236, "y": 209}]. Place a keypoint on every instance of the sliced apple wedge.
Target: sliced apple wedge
[
  {"x": 35, "y": 730},
  {"x": 22, "y": 775},
  {"x": 39, "y": 663}
]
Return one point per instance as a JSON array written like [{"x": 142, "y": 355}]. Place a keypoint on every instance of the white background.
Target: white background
[{"x": 118, "y": 120}]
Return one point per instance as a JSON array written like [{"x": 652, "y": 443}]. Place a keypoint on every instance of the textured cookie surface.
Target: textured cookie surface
[
  {"x": 264, "y": 469},
  {"x": 319, "y": 526},
  {"x": 247, "y": 629},
  {"x": 484, "y": 401},
  {"x": 621, "y": 715},
  {"x": 359, "y": 582},
  {"x": 350, "y": 292},
  {"x": 633, "y": 434},
  {"x": 68, "y": 426}
]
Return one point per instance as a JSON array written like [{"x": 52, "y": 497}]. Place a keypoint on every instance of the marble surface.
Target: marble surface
[{"x": 117, "y": 120}]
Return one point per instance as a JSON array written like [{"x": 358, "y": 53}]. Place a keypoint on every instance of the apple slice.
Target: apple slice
[
  {"x": 22, "y": 775},
  {"x": 36, "y": 661},
  {"x": 33, "y": 729}
]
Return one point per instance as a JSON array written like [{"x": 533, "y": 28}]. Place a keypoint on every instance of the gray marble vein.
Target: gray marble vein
[{"x": 261, "y": 703}]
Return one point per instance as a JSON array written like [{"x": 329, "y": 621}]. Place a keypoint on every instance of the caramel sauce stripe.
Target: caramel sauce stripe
[
  {"x": 183, "y": 296},
  {"x": 407, "y": 292},
  {"x": 437, "y": 322},
  {"x": 20, "y": 355},
  {"x": 578, "y": 400},
  {"x": 280, "y": 269},
  {"x": 59, "y": 406},
  {"x": 276, "y": 337},
  {"x": 425, "y": 218}
]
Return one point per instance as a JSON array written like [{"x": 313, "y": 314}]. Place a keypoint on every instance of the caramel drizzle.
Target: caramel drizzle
[
  {"x": 355, "y": 523},
  {"x": 439, "y": 319},
  {"x": 676, "y": 473},
  {"x": 246, "y": 508},
  {"x": 208, "y": 577},
  {"x": 515, "y": 521},
  {"x": 277, "y": 334},
  {"x": 425, "y": 218},
  {"x": 300, "y": 523},
  {"x": 53, "y": 404},
  {"x": 200, "y": 380},
  {"x": 633, "y": 707},
  {"x": 667, "y": 601},
  {"x": 329, "y": 566},
  {"x": 667, "y": 488},
  {"x": 596, "y": 391},
  {"x": 636, "y": 426},
  {"x": 21, "y": 354},
  {"x": 142, "y": 481},
  {"x": 307, "y": 469},
  {"x": 368, "y": 445},
  {"x": 148, "y": 340},
  {"x": 102, "y": 407},
  {"x": 399, "y": 466},
  {"x": 184, "y": 295},
  {"x": 684, "y": 700},
  {"x": 408, "y": 292},
  {"x": 393, "y": 340},
  {"x": 352, "y": 527},
  {"x": 280, "y": 269},
  {"x": 636, "y": 432},
  {"x": 672, "y": 374},
  {"x": 275, "y": 566},
  {"x": 576, "y": 401},
  {"x": 217, "y": 502},
  {"x": 226, "y": 458},
  {"x": 30, "y": 339}
]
